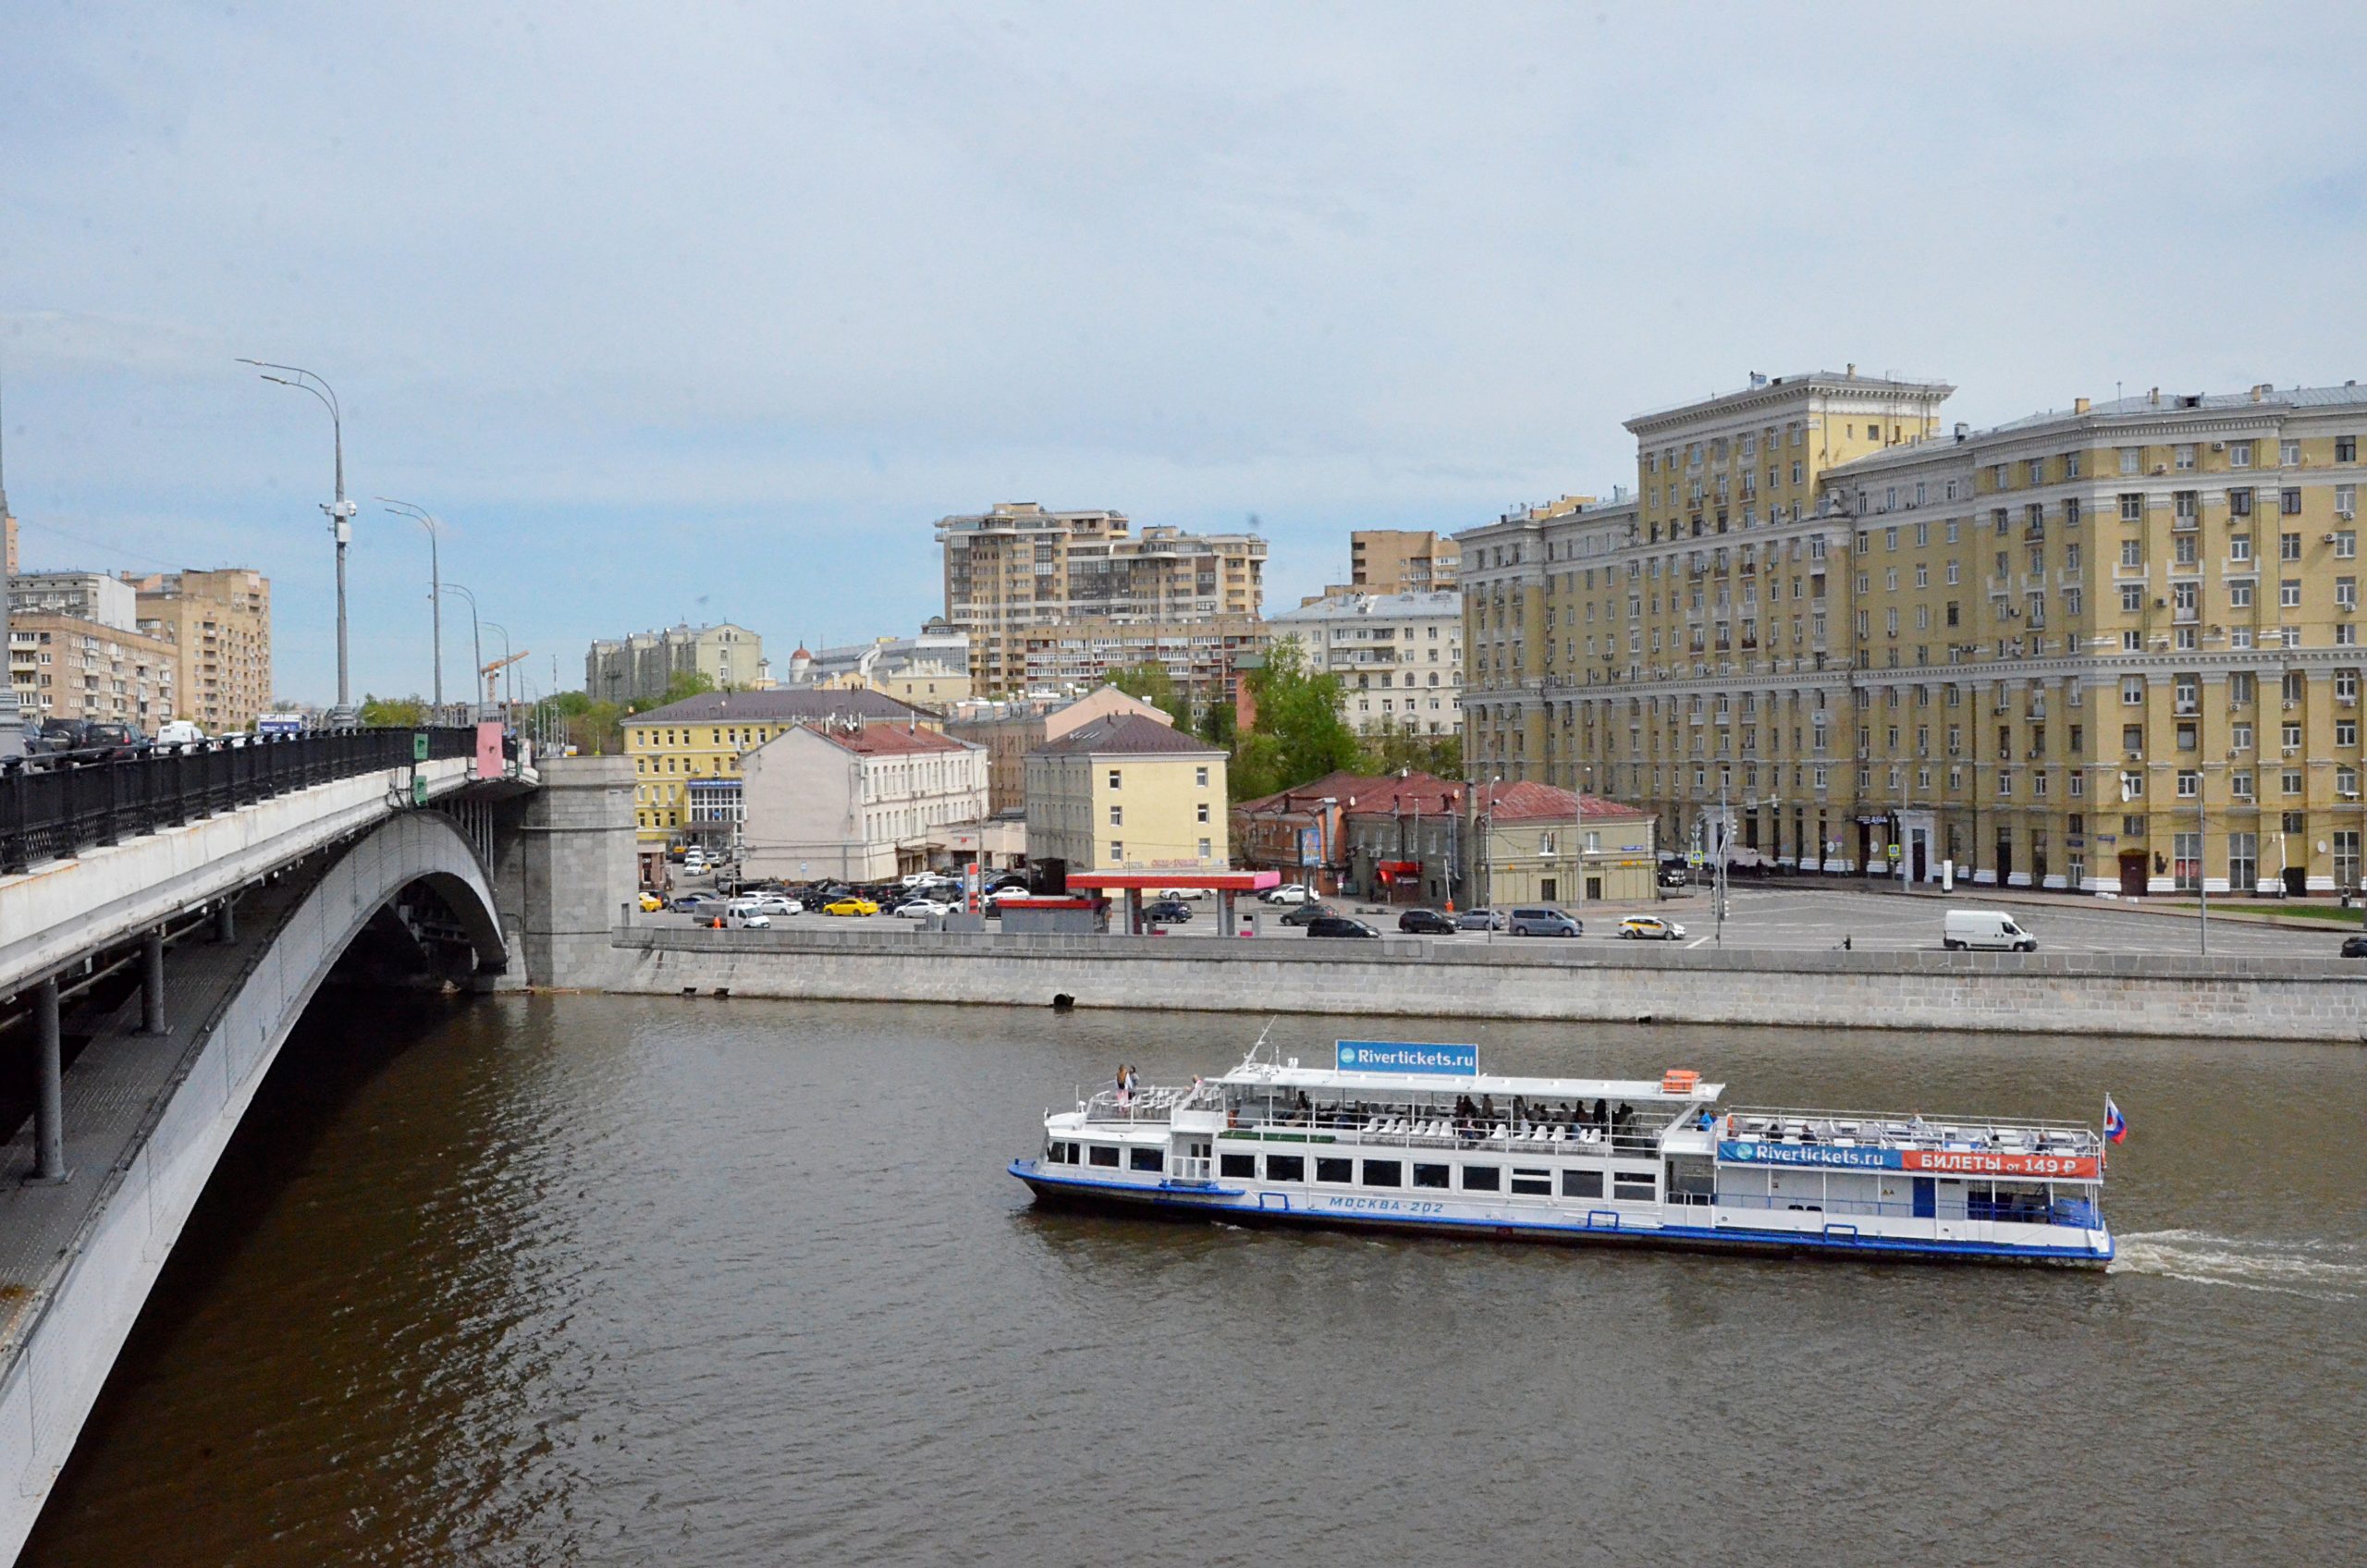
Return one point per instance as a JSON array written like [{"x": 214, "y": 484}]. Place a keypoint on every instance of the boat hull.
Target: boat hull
[{"x": 1232, "y": 1206}]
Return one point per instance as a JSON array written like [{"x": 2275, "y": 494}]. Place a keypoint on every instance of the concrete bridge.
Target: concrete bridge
[{"x": 164, "y": 924}]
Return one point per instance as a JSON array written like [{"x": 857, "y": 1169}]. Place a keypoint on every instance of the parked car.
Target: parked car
[
  {"x": 1338, "y": 925},
  {"x": 774, "y": 903},
  {"x": 180, "y": 732},
  {"x": 1306, "y": 914},
  {"x": 1481, "y": 920},
  {"x": 1167, "y": 893},
  {"x": 651, "y": 904},
  {"x": 1650, "y": 928},
  {"x": 2354, "y": 946},
  {"x": 1426, "y": 920},
  {"x": 850, "y": 906},
  {"x": 1544, "y": 921},
  {"x": 1289, "y": 893},
  {"x": 1167, "y": 911},
  {"x": 1673, "y": 874},
  {"x": 923, "y": 909},
  {"x": 57, "y": 735},
  {"x": 688, "y": 903},
  {"x": 114, "y": 740},
  {"x": 1991, "y": 928}
]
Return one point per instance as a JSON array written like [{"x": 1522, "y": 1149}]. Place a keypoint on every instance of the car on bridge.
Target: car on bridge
[
  {"x": 1427, "y": 921},
  {"x": 850, "y": 906},
  {"x": 1650, "y": 928}
]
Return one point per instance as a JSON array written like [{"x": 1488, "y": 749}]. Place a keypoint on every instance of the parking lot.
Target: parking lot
[{"x": 1780, "y": 917}]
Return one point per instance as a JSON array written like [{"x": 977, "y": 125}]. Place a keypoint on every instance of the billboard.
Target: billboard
[{"x": 1401, "y": 1056}]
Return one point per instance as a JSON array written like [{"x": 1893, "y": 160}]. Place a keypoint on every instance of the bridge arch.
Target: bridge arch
[{"x": 59, "y": 1340}]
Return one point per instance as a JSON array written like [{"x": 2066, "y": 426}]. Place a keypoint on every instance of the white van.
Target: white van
[
  {"x": 1991, "y": 928},
  {"x": 178, "y": 732}
]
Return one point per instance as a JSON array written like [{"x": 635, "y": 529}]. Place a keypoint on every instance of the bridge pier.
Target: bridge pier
[
  {"x": 151, "y": 983},
  {"x": 49, "y": 1087}
]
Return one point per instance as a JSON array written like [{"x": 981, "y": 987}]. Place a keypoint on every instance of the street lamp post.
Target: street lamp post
[
  {"x": 434, "y": 581},
  {"x": 340, "y": 513},
  {"x": 476, "y": 647},
  {"x": 494, "y": 688}
]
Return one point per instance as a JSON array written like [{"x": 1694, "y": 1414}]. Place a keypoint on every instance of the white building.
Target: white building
[
  {"x": 1399, "y": 657},
  {"x": 860, "y": 802},
  {"x": 932, "y": 670}
]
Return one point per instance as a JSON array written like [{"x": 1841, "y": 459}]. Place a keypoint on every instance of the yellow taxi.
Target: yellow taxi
[
  {"x": 850, "y": 906},
  {"x": 651, "y": 904},
  {"x": 1650, "y": 928}
]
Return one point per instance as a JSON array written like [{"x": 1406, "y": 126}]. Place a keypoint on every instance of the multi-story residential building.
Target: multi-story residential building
[
  {"x": 1011, "y": 728},
  {"x": 78, "y": 596},
  {"x": 932, "y": 670},
  {"x": 686, "y": 755},
  {"x": 1127, "y": 793},
  {"x": 1399, "y": 657},
  {"x": 1018, "y": 569},
  {"x": 64, "y": 667},
  {"x": 1202, "y": 657},
  {"x": 638, "y": 669},
  {"x": 1396, "y": 560},
  {"x": 2108, "y": 648},
  {"x": 219, "y": 624},
  {"x": 859, "y": 801}
]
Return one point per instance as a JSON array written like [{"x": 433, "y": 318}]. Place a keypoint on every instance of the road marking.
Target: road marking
[{"x": 1696, "y": 942}]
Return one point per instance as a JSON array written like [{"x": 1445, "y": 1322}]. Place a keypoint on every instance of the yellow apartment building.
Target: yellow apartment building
[
  {"x": 1127, "y": 793},
  {"x": 2110, "y": 648}
]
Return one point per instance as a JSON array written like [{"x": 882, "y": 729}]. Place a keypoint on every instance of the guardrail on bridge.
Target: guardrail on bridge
[{"x": 59, "y": 805}]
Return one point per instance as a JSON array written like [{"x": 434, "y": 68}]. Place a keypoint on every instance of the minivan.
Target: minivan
[
  {"x": 1544, "y": 922},
  {"x": 1990, "y": 928}
]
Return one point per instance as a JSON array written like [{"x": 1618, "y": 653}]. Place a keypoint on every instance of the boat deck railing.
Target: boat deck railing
[
  {"x": 1447, "y": 1132},
  {"x": 1150, "y": 1103},
  {"x": 1893, "y": 1131}
]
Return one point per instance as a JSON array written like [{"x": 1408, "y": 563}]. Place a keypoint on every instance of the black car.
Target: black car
[
  {"x": 1338, "y": 925},
  {"x": 1674, "y": 875},
  {"x": 1306, "y": 914},
  {"x": 2354, "y": 946},
  {"x": 1426, "y": 920},
  {"x": 1167, "y": 911}
]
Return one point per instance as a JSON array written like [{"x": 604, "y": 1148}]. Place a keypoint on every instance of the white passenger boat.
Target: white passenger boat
[{"x": 1403, "y": 1135}]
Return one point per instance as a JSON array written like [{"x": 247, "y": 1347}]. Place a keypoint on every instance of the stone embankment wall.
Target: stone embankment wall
[{"x": 2037, "y": 993}]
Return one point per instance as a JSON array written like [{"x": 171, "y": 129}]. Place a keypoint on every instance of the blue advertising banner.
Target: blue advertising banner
[
  {"x": 1398, "y": 1056},
  {"x": 1752, "y": 1151}
]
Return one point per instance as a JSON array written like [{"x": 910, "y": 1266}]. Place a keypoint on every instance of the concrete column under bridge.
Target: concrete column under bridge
[{"x": 564, "y": 874}]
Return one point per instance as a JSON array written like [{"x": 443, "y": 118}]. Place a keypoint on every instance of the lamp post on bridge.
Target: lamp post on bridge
[
  {"x": 477, "y": 646},
  {"x": 500, "y": 685},
  {"x": 340, "y": 513},
  {"x": 428, "y": 520}
]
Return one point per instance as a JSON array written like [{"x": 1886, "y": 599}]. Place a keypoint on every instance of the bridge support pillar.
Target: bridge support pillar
[
  {"x": 152, "y": 984},
  {"x": 49, "y": 1087},
  {"x": 225, "y": 921}
]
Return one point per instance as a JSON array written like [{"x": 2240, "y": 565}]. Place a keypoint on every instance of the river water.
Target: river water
[{"x": 593, "y": 1281}]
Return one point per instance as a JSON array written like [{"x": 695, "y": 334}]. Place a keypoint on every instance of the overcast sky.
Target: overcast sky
[{"x": 709, "y": 312}]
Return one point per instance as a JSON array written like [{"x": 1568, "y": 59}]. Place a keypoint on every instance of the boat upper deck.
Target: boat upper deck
[{"x": 1951, "y": 1145}]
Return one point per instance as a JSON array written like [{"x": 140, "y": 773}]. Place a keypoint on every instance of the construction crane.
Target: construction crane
[{"x": 492, "y": 692}]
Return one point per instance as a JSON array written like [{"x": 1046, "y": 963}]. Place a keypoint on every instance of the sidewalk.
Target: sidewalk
[{"x": 2183, "y": 908}]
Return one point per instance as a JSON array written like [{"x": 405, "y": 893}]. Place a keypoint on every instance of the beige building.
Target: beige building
[
  {"x": 1127, "y": 793},
  {"x": 1201, "y": 657},
  {"x": 686, "y": 755},
  {"x": 863, "y": 803},
  {"x": 2110, "y": 648},
  {"x": 1016, "y": 571},
  {"x": 1011, "y": 730},
  {"x": 931, "y": 670},
  {"x": 1397, "y": 561},
  {"x": 638, "y": 669},
  {"x": 67, "y": 668},
  {"x": 1398, "y": 656},
  {"x": 219, "y": 624}
]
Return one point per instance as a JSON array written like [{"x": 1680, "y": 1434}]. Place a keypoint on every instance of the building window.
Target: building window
[
  {"x": 2239, "y": 454},
  {"x": 1117, "y": 777},
  {"x": 1117, "y": 852}
]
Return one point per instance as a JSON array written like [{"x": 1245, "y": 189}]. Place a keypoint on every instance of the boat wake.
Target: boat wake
[{"x": 2325, "y": 1271}]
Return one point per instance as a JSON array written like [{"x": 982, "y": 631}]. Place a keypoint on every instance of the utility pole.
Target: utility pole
[
  {"x": 340, "y": 514},
  {"x": 2201, "y": 865},
  {"x": 1718, "y": 884}
]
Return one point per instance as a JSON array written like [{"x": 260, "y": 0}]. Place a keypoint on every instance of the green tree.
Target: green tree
[
  {"x": 1150, "y": 681},
  {"x": 687, "y": 683},
  {"x": 597, "y": 730},
  {"x": 1298, "y": 734},
  {"x": 1216, "y": 725},
  {"x": 1393, "y": 751},
  {"x": 393, "y": 713}
]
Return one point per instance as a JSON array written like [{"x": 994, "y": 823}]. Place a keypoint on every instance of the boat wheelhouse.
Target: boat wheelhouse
[{"x": 1413, "y": 1136}]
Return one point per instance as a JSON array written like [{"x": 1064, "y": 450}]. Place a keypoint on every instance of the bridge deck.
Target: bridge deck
[{"x": 114, "y": 1092}]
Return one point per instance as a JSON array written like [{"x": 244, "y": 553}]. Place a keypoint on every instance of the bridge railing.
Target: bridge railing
[{"x": 59, "y": 805}]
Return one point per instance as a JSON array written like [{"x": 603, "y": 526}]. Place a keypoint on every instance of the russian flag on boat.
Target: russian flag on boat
[{"x": 2116, "y": 1125}]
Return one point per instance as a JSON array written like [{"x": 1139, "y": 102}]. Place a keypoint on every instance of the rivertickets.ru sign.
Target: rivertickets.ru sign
[
  {"x": 1934, "y": 1162},
  {"x": 1398, "y": 1056}
]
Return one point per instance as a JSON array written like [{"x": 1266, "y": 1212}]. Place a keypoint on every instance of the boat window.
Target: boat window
[
  {"x": 1633, "y": 1184},
  {"x": 1334, "y": 1169},
  {"x": 1429, "y": 1175},
  {"x": 1534, "y": 1183},
  {"x": 1384, "y": 1173},
  {"x": 1582, "y": 1184},
  {"x": 1237, "y": 1164},
  {"x": 1482, "y": 1179},
  {"x": 1286, "y": 1168},
  {"x": 1147, "y": 1160},
  {"x": 1102, "y": 1153}
]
